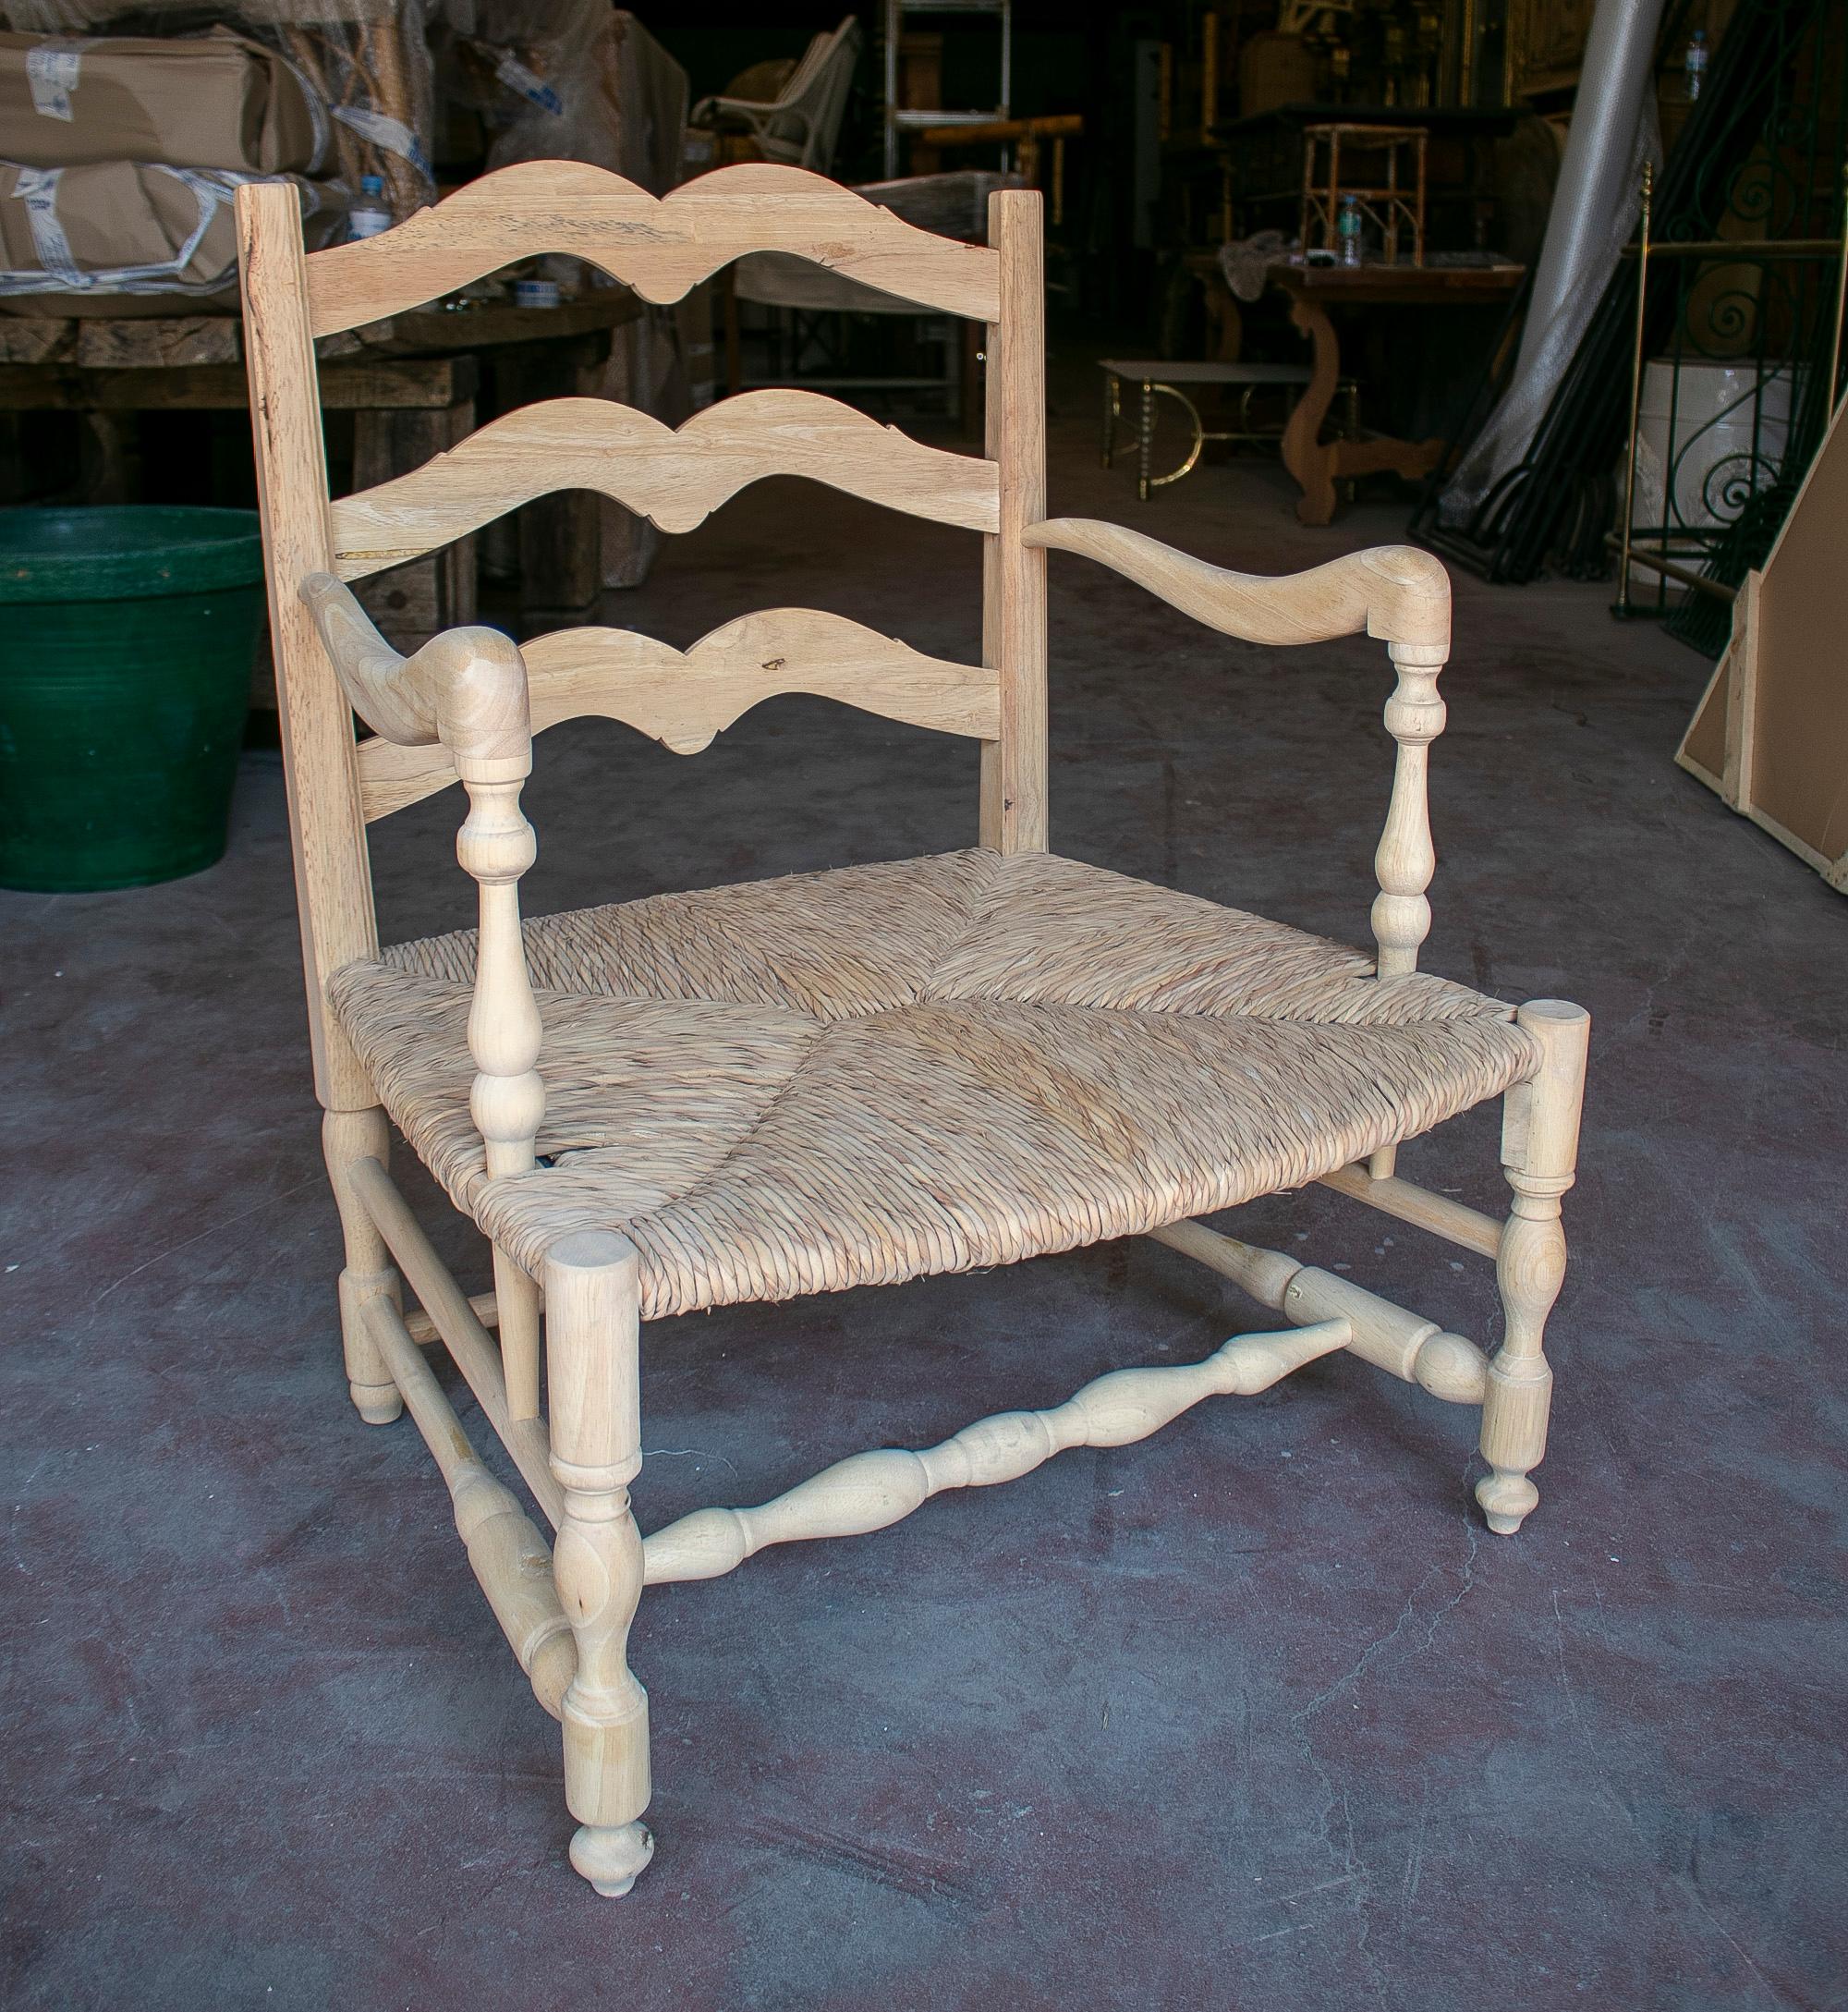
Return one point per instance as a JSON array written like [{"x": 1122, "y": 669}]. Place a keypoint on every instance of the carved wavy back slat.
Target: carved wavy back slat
[
  {"x": 684, "y": 698},
  {"x": 677, "y": 478},
  {"x": 661, "y": 246}
]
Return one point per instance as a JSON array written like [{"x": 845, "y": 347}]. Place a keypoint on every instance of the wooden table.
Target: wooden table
[
  {"x": 411, "y": 383},
  {"x": 1315, "y": 293}
]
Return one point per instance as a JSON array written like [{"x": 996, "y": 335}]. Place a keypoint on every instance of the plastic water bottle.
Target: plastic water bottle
[
  {"x": 371, "y": 216},
  {"x": 1694, "y": 63},
  {"x": 1348, "y": 228}
]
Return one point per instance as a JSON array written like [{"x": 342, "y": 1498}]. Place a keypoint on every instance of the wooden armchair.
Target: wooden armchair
[{"x": 836, "y": 1079}]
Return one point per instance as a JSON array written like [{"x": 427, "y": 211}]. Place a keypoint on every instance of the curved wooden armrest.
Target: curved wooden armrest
[
  {"x": 466, "y": 687},
  {"x": 1395, "y": 593}
]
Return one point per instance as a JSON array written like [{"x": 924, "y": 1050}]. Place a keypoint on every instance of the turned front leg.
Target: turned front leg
[
  {"x": 592, "y": 1330},
  {"x": 346, "y": 1135},
  {"x": 1539, "y": 1153}
]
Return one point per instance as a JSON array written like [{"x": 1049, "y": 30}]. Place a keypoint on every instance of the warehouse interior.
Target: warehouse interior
[{"x": 1261, "y": 1709}]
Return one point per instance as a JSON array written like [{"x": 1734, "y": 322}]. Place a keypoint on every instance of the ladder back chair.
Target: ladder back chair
[{"x": 836, "y": 1079}]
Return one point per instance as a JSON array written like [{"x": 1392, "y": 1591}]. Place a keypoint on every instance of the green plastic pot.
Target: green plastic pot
[{"x": 127, "y": 639}]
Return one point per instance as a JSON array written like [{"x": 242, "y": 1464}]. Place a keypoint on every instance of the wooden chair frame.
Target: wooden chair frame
[{"x": 466, "y": 706}]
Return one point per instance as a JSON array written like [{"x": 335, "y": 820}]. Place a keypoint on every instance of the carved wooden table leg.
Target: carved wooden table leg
[
  {"x": 1317, "y": 464},
  {"x": 1310, "y": 462},
  {"x": 591, "y": 1336},
  {"x": 346, "y": 1135},
  {"x": 1539, "y": 1151}
]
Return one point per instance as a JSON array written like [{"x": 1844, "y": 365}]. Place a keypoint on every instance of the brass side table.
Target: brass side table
[{"x": 1159, "y": 380}]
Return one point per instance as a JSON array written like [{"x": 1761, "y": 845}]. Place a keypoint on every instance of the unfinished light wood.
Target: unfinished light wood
[
  {"x": 470, "y": 1345},
  {"x": 1394, "y": 592},
  {"x": 748, "y": 1093},
  {"x": 334, "y": 888},
  {"x": 1410, "y": 1203},
  {"x": 1014, "y": 814},
  {"x": 1415, "y": 1350},
  {"x": 674, "y": 477},
  {"x": 871, "y": 1491},
  {"x": 660, "y": 246},
  {"x": 592, "y": 1373},
  {"x": 685, "y": 698},
  {"x": 1539, "y": 1155},
  {"x": 347, "y": 1136},
  {"x": 506, "y": 1552}
]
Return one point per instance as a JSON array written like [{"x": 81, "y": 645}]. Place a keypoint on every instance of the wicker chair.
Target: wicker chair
[{"x": 837, "y": 1079}]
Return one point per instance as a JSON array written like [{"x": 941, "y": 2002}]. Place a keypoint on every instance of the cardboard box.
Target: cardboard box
[
  {"x": 131, "y": 237},
  {"x": 213, "y": 101}
]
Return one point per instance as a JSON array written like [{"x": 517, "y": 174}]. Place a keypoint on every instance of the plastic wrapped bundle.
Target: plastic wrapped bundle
[
  {"x": 131, "y": 237},
  {"x": 365, "y": 62}
]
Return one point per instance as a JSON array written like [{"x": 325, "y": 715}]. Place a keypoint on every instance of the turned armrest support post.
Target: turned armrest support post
[
  {"x": 466, "y": 688},
  {"x": 1405, "y": 858}
]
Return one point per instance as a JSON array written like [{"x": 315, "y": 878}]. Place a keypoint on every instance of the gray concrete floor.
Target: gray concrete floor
[{"x": 1252, "y": 1714}]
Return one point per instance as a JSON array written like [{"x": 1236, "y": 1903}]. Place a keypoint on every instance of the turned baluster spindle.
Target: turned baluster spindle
[
  {"x": 1539, "y": 1151},
  {"x": 1406, "y": 859},
  {"x": 592, "y": 1331},
  {"x": 496, "y": 845},
  {"x": 872, "y": 1491}
]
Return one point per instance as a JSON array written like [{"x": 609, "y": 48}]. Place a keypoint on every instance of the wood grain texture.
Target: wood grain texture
[
  {"x": 1392, "y": 1339},
  {"x": 592, "y": 1323},
  {"x": 333, "y": 887},
  {"x": 1395, "y": 593},
  {"x": 684, "y": 698},
  {"x": 470, "y": 1347},
  {"x": 506, "y": 1551},
  {"x": 660, "y": 246},
  {"x": 1014, "y": 786},
  {"x": 674, "y": 478},
  {"x": 871, "y": 1491}
]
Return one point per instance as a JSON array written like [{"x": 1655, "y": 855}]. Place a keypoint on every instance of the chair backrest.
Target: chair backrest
[{"x": 661, "y": 246}]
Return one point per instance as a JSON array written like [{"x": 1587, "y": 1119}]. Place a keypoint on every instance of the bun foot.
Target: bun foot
[
  {"x": 611, "y": 1858},
  {"x": 1507, "y": 1500},
  {"x": 378, "y": 1404}
]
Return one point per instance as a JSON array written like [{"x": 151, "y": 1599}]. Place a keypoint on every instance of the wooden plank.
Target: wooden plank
[
  {"x": 677, "y": 478},
  {"x": 27, "y": 339},
  {"x": 160, "y": 342},
  {"x": 683, "y": 699},
  {"x": 661, "y": 246},
  {"x": 372, "y": 385}
]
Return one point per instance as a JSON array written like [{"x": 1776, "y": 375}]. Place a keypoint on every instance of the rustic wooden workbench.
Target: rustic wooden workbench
[{"x": 412, "y": 384}]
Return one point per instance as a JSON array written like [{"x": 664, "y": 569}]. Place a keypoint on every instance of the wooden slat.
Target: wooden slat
[
  {"x": 685, "y": 698},
  {"x": 661, "y": 246},
  {"x": 675, "y": 479}
]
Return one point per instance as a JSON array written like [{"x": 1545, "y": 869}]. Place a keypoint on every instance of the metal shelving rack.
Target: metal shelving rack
[{"x": 913, "y": 118}]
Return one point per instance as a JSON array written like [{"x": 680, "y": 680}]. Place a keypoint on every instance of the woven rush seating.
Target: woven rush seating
[{"x": 869, "y": 1075}]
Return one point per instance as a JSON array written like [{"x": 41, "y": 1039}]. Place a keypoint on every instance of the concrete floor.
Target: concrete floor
[{"x": 1255, "y": 1714}]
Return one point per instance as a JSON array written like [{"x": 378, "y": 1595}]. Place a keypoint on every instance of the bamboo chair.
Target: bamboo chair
[{"x": 836, "y": 1079}]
